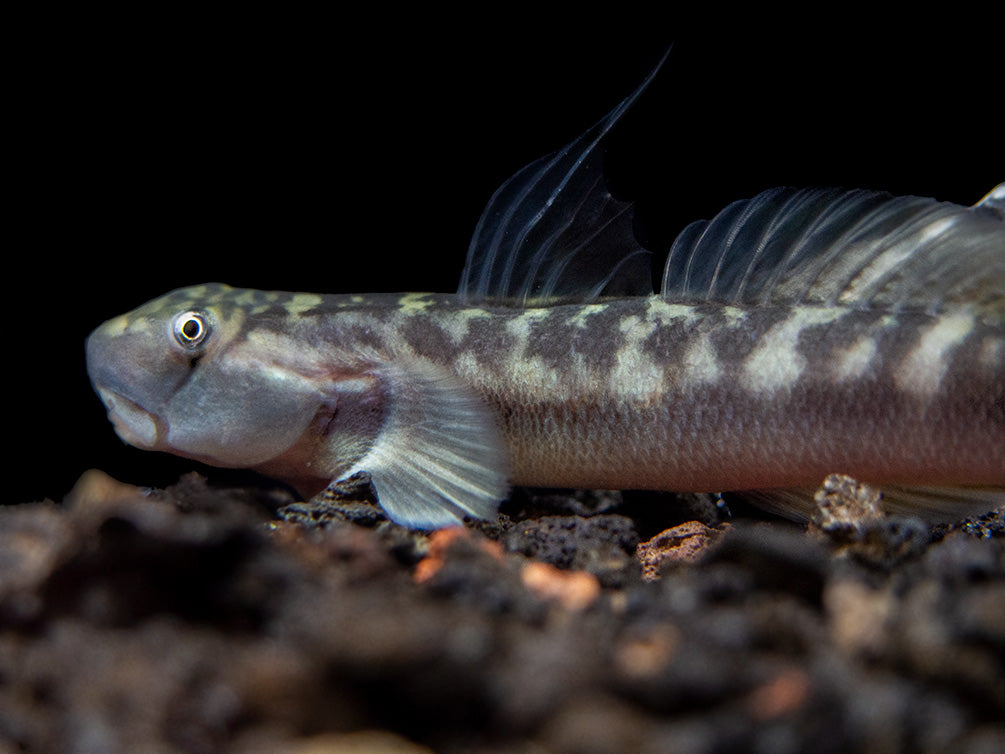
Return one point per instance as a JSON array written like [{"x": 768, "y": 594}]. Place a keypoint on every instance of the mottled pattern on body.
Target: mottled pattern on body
[
  {"x": 664, "y": 388},
  {"x": 796, "y": 334}
]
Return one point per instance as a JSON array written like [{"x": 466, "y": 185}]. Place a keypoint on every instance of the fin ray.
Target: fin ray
[
  {"x": 934, "y": 505},
  {"x": 439, "y": 455},
  {"x": 554, "y": 231},
  {"x": 856, "y": 248}
]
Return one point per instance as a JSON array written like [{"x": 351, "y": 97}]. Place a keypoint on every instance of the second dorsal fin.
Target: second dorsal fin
[{"x": 863, "y": 249}]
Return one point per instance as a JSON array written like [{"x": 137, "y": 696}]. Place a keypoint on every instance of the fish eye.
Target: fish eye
[{"x": 191, "y": 329}]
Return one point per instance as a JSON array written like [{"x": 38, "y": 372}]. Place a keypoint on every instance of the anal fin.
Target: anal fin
[{"x": 934, "y": 505}]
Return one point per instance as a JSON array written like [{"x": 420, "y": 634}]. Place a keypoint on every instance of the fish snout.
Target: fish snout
[{"x": 124, "y": 384}]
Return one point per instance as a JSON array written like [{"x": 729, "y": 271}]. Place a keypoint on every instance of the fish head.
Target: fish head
[{"x": 183, "y": 374}]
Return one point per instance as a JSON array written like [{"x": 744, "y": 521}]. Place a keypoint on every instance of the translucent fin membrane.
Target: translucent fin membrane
[
  {"x": 858, "y": 248},
  {"x": 553, "y": 231}
]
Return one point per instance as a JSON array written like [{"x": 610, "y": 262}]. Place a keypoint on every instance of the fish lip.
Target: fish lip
[{"x": 132, "y": 422}]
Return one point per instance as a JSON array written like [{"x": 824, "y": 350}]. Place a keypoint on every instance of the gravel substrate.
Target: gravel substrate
[{"x": 196, "y": 619}]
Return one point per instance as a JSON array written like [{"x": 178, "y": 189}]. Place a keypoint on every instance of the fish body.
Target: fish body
[{"x": 797, "y": 334}]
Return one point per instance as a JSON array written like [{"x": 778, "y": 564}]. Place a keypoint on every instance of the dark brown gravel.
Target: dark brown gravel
[{"x": 235, "y": 620}]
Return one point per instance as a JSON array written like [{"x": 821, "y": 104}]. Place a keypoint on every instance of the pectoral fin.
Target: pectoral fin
[{"x": 439, "y": 455}]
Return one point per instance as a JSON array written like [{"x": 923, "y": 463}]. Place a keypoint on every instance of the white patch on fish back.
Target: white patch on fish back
[
  {"x": 457, "y": 325},
  {"x": 853, "y": 362},
  {"x": 519, "y": 327},
  {"x": 664, "y": 313},
  {"x": 922, "y": 370},
  {"x": 701, "y": 362},
  {"x": 303, "y": 302},
  {"x": 635, "y": 375},
  {"x": 581, "y": 318},
  {"x": 776, "y": 364},
  {"x": 733, "y": 316},
  {"x": 415, "y": 303}
]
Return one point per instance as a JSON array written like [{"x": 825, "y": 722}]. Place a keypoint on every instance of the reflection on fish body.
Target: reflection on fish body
[{"x": 796, "y": 334}]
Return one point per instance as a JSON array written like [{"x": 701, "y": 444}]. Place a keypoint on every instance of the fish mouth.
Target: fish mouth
[{"x": 133, "y": 423}]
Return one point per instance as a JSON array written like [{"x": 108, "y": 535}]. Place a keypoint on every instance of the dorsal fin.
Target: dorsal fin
[
  {"x": 554, "y": 231},
  {"x": 857, "y": 248}
]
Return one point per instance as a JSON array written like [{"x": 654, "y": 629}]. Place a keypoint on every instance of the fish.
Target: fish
[{"x": 797, "y": 333}]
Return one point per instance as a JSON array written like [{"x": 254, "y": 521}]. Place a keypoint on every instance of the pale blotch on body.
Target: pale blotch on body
[
  {"x": 415, "y": 303},
  {"x": 537, "y": 377},
  {"x": 635, "y": 375},
  {"x": 701, "y": 362},
  {"x": 777, "y": 363},
  {"x": 922, "y": 370},
  {"x": 853, "y": 362},
  {"x": 661, "y": 312},
  {"x": 581, "y": 318},
  {"x": 458, "y": 324},
  {"x": 303, "y": 302}
]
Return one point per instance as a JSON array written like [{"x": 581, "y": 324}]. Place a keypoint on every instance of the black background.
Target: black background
[{"x": 340, "y": 153}]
